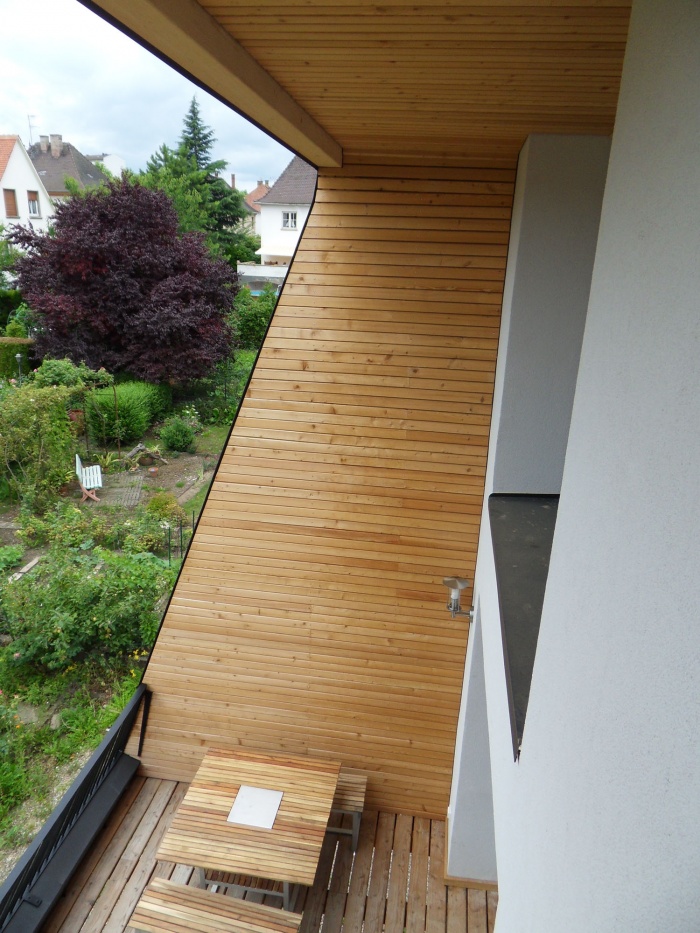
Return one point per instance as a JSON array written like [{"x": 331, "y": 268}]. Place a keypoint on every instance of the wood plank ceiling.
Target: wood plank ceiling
[{"x": 438, "y": 81}]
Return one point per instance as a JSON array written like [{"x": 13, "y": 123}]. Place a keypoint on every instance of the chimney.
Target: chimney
[
  {"x": 44, "y": 143},
  {"x": 267, "y": 182},
  {"x": 56, "y": 145},
  {"x": 233, "y": 181},
  {"x": 260, "y": 181}
]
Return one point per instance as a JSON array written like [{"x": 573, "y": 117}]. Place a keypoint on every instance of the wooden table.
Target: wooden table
[{"x": 200, "y": 834}]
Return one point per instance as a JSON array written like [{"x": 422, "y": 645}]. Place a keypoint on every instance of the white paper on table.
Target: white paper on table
[{"x": 255, "y": 806}]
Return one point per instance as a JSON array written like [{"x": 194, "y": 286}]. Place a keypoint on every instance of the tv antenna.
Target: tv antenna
[{"x": 32, "y": 126}]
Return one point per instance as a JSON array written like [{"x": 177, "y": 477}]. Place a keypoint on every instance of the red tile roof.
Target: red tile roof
[
  {"x": 254, "y": 196},
  {"x": 7, "y": 144}
]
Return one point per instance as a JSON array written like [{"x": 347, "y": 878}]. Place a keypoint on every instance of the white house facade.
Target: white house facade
[
  {"x": 24, "y": 197},
  {"x": 283, "y": 212}
]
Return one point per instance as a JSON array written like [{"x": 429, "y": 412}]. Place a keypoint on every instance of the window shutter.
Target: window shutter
[{"x": 10, "y": 202}]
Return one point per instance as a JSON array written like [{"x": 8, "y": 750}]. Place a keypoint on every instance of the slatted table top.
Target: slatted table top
[{"x": 200, "y": 834}]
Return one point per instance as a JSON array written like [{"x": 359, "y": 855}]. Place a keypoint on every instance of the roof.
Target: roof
[
  {"x": 430, "y": 83},
  {"x": 7, "y": 144},
  {"x": 70, "y": 162},
  {"x": 258, "y": 192},
  {"x": 296, "y": 185}
]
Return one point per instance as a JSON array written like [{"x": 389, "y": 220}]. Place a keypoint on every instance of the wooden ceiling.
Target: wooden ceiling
[{"x": 431, "y": 81}]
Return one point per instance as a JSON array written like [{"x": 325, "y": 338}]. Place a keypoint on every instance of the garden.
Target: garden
[{"x": 128, "y": 342}]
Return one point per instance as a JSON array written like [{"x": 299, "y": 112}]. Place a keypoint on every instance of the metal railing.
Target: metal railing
[{"x": 36, "y": 882}]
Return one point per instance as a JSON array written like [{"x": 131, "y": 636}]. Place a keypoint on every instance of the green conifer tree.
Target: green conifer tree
[{"x": 197, "y": 138}]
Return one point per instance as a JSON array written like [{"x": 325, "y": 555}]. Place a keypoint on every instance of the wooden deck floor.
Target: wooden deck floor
[{"x": 394, "y": 884}]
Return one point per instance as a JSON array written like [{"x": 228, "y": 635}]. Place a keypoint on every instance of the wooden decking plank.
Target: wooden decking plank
[
  {"x": 436, "y": 905},
  {"x": 398, "y": 882},
  {"x": 340, "y": 879},
  {"x": 315, "y": 905},
  {"x": 491, "y": 906},
  {"x": 359, "y": 880},
  {"x": 418, "y": 887},
  {"x": 106, "y": 894},
  {"x": 375, "y": 909},
  {"x": 108, "y": 912},
  {"x": 105, "y": 852},
  {"x": 476, "y": 912},
  {"x": 456, "y": 910}
]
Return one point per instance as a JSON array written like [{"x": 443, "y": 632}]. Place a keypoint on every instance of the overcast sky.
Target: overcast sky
[{"x": 78, "y": 76}]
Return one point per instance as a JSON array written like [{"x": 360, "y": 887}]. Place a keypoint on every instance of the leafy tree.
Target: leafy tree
[
  {"x": 251, "y": 315},
  {"x": 9, "y": 297},
  {"x": 36, "y": 442},
  {"x": 174, "y": 173},
  {"x": 8, "y": 255},
  {"x": 114, "y": 285},
  {"x": 202, "y": 199}
]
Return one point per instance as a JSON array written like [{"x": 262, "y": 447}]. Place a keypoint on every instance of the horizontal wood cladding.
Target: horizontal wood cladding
[
  {"x": 310, "y": 614},
  {"x": 451, "y": 81}
]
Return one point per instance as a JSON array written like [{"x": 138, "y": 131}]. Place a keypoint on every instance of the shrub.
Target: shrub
[
  {"x": 221, "y": 394},
  {"x": 176, "y": 434},
  {"x": 137, "y": 406},
  {"x": 65, "y": 373},
  {"x": 251, "y": 316},
  {"x": 160, "y": 401},
  {"x": 80, "y": 604},
  {"x": 10, "y": 556},
  {"x": 144, "y": 533},
  {"x": 65, "y": 525},
  {"x": 37, "y": 445},
  {"x": 8, "y": 352},
  {"x": 165, "y": 506}
]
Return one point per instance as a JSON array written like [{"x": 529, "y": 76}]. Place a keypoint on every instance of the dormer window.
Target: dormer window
[{"x": 289, "y": 220}]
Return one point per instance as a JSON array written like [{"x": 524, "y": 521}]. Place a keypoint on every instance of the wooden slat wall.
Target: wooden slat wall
[{"x": 310, "y": 616}]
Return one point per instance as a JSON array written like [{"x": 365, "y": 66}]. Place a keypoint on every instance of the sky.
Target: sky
[{"x": 76, "y": 75}]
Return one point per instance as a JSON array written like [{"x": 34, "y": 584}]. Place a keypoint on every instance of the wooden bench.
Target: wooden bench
[
  {"x": 241, "y": 884},
  {"x": 90, "y": 479},
  {"x": 167, "y": 906},
  {"x": 350, "y": 798}
]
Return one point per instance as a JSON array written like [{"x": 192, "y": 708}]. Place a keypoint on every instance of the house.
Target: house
[
  {"x": 283, "y": 212},
  {"x": 114, "y": 164},
  {"x": 251, "y": 199},
  {"x": 526, "y": 421},
  {"x": 24, "y": 197},
  {"x": 55, "y": 161}
]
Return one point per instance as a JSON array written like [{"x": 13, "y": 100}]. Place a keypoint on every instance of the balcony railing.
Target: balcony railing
[{"x": 36, "y": 882}]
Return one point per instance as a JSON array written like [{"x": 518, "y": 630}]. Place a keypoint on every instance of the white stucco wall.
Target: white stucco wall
[
  {"x": 550, "y": 261},
  {"x": 21, "y": 177},
  {"x": 278, "y": 244},
  {"x": 558, "y": 197},
  {"x": 597, "y": 827},
  {"x": 471, "y": 849}
]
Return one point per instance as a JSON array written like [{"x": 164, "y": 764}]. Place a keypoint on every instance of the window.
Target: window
[
  {"x": 289, "y": 220},
  {"x": 10, "y": 202},
  {"x": 33, "y": 198}
]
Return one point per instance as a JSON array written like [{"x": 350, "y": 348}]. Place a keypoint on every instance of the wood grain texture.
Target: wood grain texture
[
  {"x": 452, "y": 80},
  {"x": 168, "y": 907},
  {"x": 108, "y": 885},
  {"x": 200, "y": 834},
  {"x": 310, "y": 614}
]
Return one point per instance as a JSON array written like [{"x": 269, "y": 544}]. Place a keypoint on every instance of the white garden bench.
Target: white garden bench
[{"x": 90, "y": 479}]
